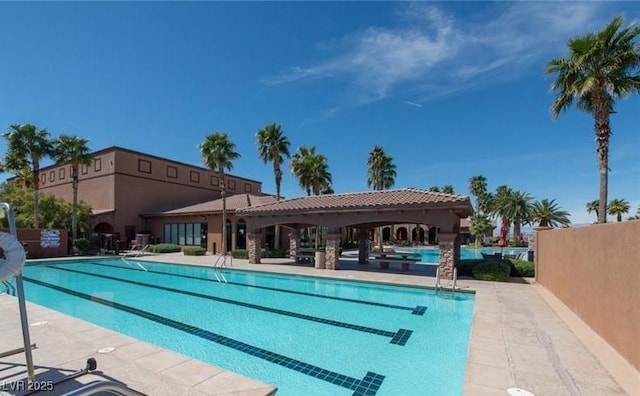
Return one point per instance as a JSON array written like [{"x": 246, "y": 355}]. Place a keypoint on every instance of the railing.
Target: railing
[
  {"x": 439, "y": 284},
  {"x": 95, "y": 387},
  {"x": 220, "y": 262}
]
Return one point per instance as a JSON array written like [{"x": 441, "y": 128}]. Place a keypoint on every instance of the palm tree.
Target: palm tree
[
  {"x": 478, "y": 188},
  {"x": 479, "y": 226},
  {"x": 600, "y": 68},
  {"x": 273, "y": 146},
  {"x": 592, "y": 206},
  {"x": 499, "y": 208},
  {"x": 434, "y": 189},
  {"x": 448, "y": 189},
  {"x": 381, "y": 175},
  {"x": 300, "y": 167},
  {"x": 519, "y": 209},
  {"x": 218, "y": 153},
  {"x": 72, "y": 150},
  {"x": 547, "y": 214},
  {"x": 382, "y": 170},
  {"x": 26, "y": 147},
  {"x": 618, "y": 207}
]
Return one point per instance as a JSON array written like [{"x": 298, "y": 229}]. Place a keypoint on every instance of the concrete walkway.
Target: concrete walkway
[{"x": 517, "y": 340}]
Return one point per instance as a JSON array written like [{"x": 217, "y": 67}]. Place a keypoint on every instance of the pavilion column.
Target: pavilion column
[
  {"x": 363, "y": 246},
  {"x": 254, "y": 243},
  {"x": 449, "y": 254},
  {"x": 332, "y": 251},
  {"x": 294, "y": 242},
  {"x": 234, "y": 235}
]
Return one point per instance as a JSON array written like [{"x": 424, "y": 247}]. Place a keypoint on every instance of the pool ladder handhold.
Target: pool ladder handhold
[
  {"x": 439, "y": 286},
  {"x": 220, "y": 262}
]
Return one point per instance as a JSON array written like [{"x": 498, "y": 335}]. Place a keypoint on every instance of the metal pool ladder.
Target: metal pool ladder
[
  {"x": 221, "y": 262},
  {"x": 440, "y": 287}
]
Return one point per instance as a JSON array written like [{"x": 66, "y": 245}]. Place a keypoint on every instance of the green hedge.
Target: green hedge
[
  {"x": 194, "y": 251},
  {"x": 274, "y": 253},
  {"x": 522, "y": 268},
  {"x": 81, "y": 246},
  {"x": 240, "y": 254},
  {"x": 492, "y": 270},
  {"x": 165, "y": 248},
  {"x": 466, "y": 266}
]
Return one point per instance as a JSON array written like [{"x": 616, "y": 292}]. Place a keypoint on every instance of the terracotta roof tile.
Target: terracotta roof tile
[
  {"x": 234, "y": 202},
  {"x": 407, "y": 197}
]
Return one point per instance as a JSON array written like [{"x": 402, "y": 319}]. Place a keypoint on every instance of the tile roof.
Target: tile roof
[
  {"x": 234, "y": 202},
  {"x": 381, "y": 199}
]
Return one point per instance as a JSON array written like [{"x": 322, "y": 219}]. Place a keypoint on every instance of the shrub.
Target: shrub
[
  {"x": 522, "y": 268},
  {"x": 492, "y": 270},
  {"x": 81, "y": 246},
  {"x": 194, "y": 251},
  {"x": 165, "y": 248},
  {"x": 274, "y": 253},
  {"x": 466, "y": 266},
  {"x": 240, "y": 253}
]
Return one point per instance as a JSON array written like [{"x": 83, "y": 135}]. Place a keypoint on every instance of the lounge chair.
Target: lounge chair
[{"x": 136, "y": 251}]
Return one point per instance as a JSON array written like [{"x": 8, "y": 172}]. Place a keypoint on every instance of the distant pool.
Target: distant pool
[{"x": 431, "y": 255}]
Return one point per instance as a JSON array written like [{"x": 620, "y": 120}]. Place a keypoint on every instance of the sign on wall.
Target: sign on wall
[{"x": 49, "y": 238}]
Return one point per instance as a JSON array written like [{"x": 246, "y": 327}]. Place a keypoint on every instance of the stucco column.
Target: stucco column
[
  {"x": 449, "y": 254},
  {"x": 294, "y": 242},
  {"x": 332, "y": 251},
  {"x": 363, "y": 246},
  {"x": 254, "y": 242},
  {"x": 234, "y": 235},
  {"x": 534, "y": 248}
]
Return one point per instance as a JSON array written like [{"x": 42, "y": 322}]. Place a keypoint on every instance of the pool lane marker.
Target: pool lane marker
[
  {"x": 417, "y": 310},
  {"x": 369, "y": 385},
  {"x": 399, "y": 337}
]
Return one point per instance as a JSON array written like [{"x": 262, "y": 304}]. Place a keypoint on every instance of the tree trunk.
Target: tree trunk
[
  {"x": 603, "y": 132},
  {"x": 74, "y": 208},
  {"x": 224, "y": 215}
]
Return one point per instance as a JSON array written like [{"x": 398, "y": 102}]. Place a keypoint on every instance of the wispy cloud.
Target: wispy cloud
[
  {"x": 412, "y": 103},
  {"x": 433, "y": 52}
]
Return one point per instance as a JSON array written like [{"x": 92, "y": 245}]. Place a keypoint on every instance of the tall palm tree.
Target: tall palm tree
[
  {"x": 478, "y": 187},
  {"x": 600, "y": 68},
  {"x": 273, "y": 147},
  {"x": 592, "y": 206},
  {"x": 381, "y": 175},
  {"x": 618, "y": 207},
  {"x": 300, "y": 167},
  {"x": 27, "y": 145},
  {"x": 499, "y": 208},
  {"x": 218, "y": 153},
  {"x": 72, "y": 150},
  {"x": 479, "y": 226},
  {"x": 547, "y": 214},
  {"x": 519, "y": 209},
  {"x": 448, "y": 189}
]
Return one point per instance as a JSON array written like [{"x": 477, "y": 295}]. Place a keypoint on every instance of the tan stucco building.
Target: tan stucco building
[{"x": 122, "y": 185}]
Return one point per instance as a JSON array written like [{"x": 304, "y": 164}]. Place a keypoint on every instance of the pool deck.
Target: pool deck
[{"x": 518, "y": 339}]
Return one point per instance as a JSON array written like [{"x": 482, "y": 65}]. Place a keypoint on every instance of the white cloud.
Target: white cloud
[{"x": 435, "y": 52}]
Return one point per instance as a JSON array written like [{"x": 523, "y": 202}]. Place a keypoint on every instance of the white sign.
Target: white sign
[{"x": 50, "y": 238}]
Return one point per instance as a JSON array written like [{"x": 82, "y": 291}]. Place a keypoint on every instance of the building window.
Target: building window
[
  {"x": 172, "y": 172},
  {"x": 52, "y": 176},
  {"x": 195, "y": 177},
  {"x": 214, "y": 181},
  {"x": 144, "y": 166},
  {"x": 61, "y": 174},
  {"x": 232, "y": 184},
  {"x": 186, "y": 234},
  {"x": 84, "y": 169},
  {"x": 247, "y": 187},
  {"x": 97, "y": 164},
  {"x": 43, "y": 178}
]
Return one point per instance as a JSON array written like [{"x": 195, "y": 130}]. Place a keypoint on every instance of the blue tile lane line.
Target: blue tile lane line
[
  {"x": 418, "y": 310},
  {"x": 395, "y": 336},
  {"x": 369, "y": 385}
]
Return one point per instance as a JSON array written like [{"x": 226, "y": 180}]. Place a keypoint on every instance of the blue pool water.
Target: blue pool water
[
  {"x": 431, "y": 255},
  {"x": 305, "y": 335}
]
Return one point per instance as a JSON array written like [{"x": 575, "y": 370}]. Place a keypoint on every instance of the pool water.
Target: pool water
[
  {"x": 305, "y": 335},
  {"x": 431, "y": 255}
]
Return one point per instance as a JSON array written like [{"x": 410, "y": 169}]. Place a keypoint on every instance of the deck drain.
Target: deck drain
[
  {"x": 518, "y": 392},
  {"x": 41, "y": 323},
  {"x": 106, "y": 350}
]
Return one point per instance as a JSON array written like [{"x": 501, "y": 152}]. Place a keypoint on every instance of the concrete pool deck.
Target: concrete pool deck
[{"x": 518, "y": 340}]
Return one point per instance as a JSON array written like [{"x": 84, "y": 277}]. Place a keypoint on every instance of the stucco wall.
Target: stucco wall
[{"x": 595, "y": 271}]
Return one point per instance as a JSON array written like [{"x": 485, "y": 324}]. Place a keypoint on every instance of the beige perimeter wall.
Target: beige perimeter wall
[{"x": 595, "y": 271}]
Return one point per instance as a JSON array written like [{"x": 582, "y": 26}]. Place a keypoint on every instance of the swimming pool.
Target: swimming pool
[
  {"x": 431, "y": 255},
  {"x": 305, "y": 335}
]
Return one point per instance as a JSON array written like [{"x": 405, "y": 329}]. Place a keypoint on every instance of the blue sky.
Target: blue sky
[{"x": 450, "y": 90}]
